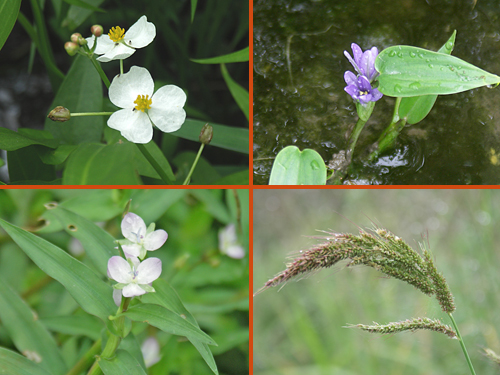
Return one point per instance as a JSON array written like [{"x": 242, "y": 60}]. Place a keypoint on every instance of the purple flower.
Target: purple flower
[
  {"x": 363, "y": 62},
  {"x": 360, "y": 88}
]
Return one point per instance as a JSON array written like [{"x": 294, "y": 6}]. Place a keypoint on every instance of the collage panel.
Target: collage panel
[
  {"x": 101, "y": 92},
  {"x": 376, "y": 281},
  {"x": 373, "y": 93},
  {"x": 110, "y": 281}
]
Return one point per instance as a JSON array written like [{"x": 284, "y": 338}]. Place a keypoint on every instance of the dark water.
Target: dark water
[{"x": 300, "y": 100}]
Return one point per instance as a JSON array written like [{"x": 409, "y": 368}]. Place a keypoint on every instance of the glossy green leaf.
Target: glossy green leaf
[
  {"x": 167, "y": 297},
  {"x": 81, "y": 91},
  {"x": 411, "y": 71},
  {"x": 227, "y": 137},
  {"x": 167, "y": 321},
  {"x": 98, "y": 164},
  {"x": 27, "y": 333},
  {"x": 239, "y": 94},
  {"x": 121, "y": 364},
  {"x": 88, "y": 290},
  {"x": 145, "y": 168},
  {"x": 99, "y": 245},
  {"x": 238, "y": 56},
  {"x": 11, "y": 140},
  {"x": 414, "y": 109},
  {"x": 295, "y": 167},
  {"x": 14, "y": 363},
  {"x": 75, "y": 325},
  {"x": 8, "y": 14},
  {"x": 58, "y": 155}
]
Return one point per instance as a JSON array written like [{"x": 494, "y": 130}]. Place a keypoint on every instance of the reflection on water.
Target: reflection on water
[{"x": 299, "y": 96}]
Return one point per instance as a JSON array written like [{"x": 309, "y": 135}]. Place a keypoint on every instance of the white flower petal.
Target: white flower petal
[
  {"x": 148, "y": 271},
  {"x": 119, "y": 269},
  {"x": 135, "y": 126},
  {"x": 118, "y": 52},
  {"x": 167, "y": 121},
  {"x": 133, "y": 290},
  {"x": 140, "y": 33},
  {"x": 131, "y": 250},
  {"x": 125, "y": 88},
  {"x": 235, "y": 251},
  {"x": 166, "y": 110},
  {"x": 104, "y": 44},
  {"x": 151, "y": 351},
  {"x": 155, "y": 240},
  {"x": 132, "y": 225}
]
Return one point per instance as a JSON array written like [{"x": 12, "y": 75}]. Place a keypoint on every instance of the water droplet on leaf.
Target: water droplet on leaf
[
  {"x": 398, "y": 88},
  {"x": 400, "y": 54},
  {"x": 415, "y": 85},
  {"x": 314, "y": 165},
  {"x": 392, "y": 53},
  {"x": 432, "y": 66},
  {"x": 413, "y": 54}
]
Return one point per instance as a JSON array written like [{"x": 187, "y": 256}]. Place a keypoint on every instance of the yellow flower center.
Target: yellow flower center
[
  {"x": 143, "y": 102},
  {"x": 116, "y": 34}
]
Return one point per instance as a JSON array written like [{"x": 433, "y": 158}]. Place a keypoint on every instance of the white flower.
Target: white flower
[
  {"x": 139, "y": 239},
  {"x": 228, "y": 242},
  {"x": 134, "y": 277},
  {"x": 150, "y": 349},
  {"x": 118, "y": 44},
  {"x": 133, "y": 91}
]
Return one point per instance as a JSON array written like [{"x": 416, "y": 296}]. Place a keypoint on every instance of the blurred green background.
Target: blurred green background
[
  {"x": 299, "y": 329},
  {"x": 212, "y": 286}
]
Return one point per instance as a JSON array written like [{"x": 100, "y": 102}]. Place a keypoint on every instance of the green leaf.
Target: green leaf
[
  {"x": 167, "y": 297},
  {"x": 76, "y": 15},
  {"x": 121, "y": 364},
  {"x": 145, "y": 168},
  {"x": 57, "y": 156},
  {"x": 83, "y": 4},
  {"x": 25, "y": 164},
  {"x": 75, "y": 325},
  {"x": 88, "y": 290},
  {"x": 407, "y": 71},
  {"x": 193, "y": 9},
  {"x": 8, "y": 14},
  {"x": 227, "y": 137},
  {"x": 238, "y": 56},
  {"x": 27, "y": 332},
  {"x": 414, "y": 109},
  {"x": 167, "y": 321},
  {"x": 98, "y": 164},
  {"x": 11, "y": 140},
  {"x": 295, "y": 167},
  {"x": 239, "y": 94},
  {"x": 238, "y": 178},
  {"x": 99, "y": 245},
  {"x": 14, "y": 363},
  {"x": 81, "y": 91}
]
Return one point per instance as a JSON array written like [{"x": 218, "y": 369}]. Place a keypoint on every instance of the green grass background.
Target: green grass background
[{"x": 299, "y": 329}]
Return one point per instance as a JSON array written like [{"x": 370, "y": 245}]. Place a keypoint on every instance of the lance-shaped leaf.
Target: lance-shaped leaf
[
  {"x": 407, "y": 71},
  {"x": 88, "y": 290},
  {"x": 415, "y": 109},
  {"x": 167, "y": 321},
  {"x": 14, "y": 363},
  {"x": 121, "y": 364},
  {"x": 28, "y": 334}
]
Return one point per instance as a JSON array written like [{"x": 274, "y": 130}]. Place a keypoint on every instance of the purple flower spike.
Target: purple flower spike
[
  {"x": 360, "y": 88},
  {"x": 363, "y": 62}
]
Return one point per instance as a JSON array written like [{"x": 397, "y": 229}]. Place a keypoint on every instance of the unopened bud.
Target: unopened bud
[
  {"x": 206, "y": 134},
  {"x": 96, "y": 30},
  {"x": 71, "y": 48},
  {"x": 75, "y": 36},
  {"x": 82, "y": 41},
  {"x": 60, "y": 114}
]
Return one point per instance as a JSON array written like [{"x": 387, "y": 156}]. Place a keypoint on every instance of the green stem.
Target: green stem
[
  {"x": 467, "y": 358},
  {"x": 188, "y": 178},
  {"x": 121, "y": 67},
  {"x": 86, "y": 360},
  {"x": 97, "y": 66},
  {"x": 154, "y": 164},
  {"x": 354, "y": 137},
  {"x": 91, "y": 114}
]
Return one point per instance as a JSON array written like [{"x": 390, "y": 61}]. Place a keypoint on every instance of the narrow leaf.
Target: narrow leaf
[
  {"x": 14, "y": 363},
  {"x": 239, "y": 94},
  {"x": 8, "y": 14},
  {"x": 28, "y": 334},
  {"x": 88, "y": 290},
  {"x": 75, "y": 325},
  {"x": 238, "y": 56},
  {"x": 121, "y": 364},
  {"x": 167, "y": 321},
  {"x": 295, "y": 167},
  {"x": 407, "y": 71}
]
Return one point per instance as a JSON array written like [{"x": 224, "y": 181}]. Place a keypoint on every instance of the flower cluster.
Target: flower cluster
[
  {"x": 135, "y": 277},
  {"x": 380, "y": 250},
  {"x": 228, "y": 242},
  {"x": 359, "y": 87}
]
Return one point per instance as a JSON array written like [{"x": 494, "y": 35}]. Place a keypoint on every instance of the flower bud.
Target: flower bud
[
  {"x": 206, "y": 134},
  {"x": 75, "y": 36},
  {"x": 60, "y": 114},
  {"x": 82, "y": 41},
  {"x": 71, "y": 48},
  {"x": 96, "y": 30}
]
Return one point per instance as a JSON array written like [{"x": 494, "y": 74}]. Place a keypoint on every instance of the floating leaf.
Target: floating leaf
[{"x": 295, "y": 167}]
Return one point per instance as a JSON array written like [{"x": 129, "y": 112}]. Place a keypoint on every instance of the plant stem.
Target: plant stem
[
  {"x": 354, "y": 137},
  {"x": 91, "y": 114},
  {"x": 464, "y": 349},
  {"x": 121, "y": 67},
  {"x": 154, "y": 164},
  {"x": 390, "y": 133},
  {"x": 86, "y": 360},
  {"x": 100, "y": 71},
  {"x": 186, "y": 181}
]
